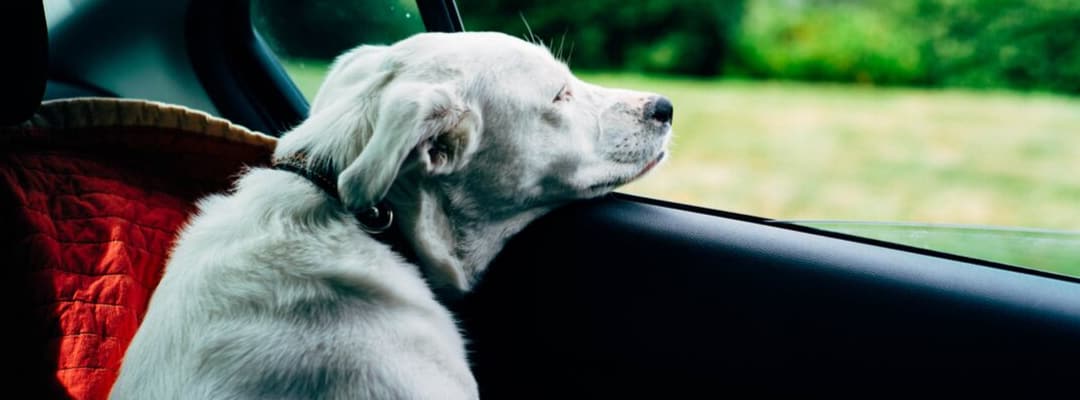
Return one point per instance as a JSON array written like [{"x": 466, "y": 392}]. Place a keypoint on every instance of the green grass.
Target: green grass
[
  {"x": 308, "y": 74},
  {"x": 796, "y": 151},
  {"x": 800, "y": 151}
]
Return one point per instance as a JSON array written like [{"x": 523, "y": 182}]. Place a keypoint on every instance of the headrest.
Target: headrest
[{"x": 24, "y": 44}]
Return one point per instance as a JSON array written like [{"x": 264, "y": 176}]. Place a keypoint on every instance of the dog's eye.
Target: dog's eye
[{"x": 563, "y": 95}]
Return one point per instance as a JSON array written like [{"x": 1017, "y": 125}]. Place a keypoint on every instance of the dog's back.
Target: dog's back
[{"x": 270, "y": 298}]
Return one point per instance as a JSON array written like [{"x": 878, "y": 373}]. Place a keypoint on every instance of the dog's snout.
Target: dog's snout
[{"x": 660, "y": 110}]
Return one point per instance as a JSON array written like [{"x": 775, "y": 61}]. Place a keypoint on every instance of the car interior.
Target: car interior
[{"x": 621, "y": 296}]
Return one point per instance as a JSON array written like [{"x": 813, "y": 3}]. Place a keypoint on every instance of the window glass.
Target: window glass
[
  {"x": 307, "y": 35},
  {"x": 952, "y": 125}
]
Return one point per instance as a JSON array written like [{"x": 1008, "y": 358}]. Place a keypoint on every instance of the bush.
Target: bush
[
  {"x": 1021, "y": 44},
  {"x": 679, "y": 37},
  {"x": 827, "y": 41},
  {"x": 1018, "y": 44}
]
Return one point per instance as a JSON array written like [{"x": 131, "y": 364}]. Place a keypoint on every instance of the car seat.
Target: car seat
[{"x": 92, "y": 194}]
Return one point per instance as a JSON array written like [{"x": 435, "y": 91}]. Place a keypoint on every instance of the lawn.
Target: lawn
[{"x": 819, "y": 152}]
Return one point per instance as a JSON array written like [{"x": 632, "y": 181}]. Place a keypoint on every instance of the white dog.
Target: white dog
[{"x": 277, "y": 291}]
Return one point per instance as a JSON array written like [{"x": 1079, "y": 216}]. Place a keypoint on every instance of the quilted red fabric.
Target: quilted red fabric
[{"x": 89, "y": 216}]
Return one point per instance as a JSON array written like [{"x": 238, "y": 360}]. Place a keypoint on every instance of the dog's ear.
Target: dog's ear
[
  {"x": 455, "y": 129},
  {"x": 348, "y": 70},
  {"x": 342, "y": 113},
  {"x": 429, "y": 119}
]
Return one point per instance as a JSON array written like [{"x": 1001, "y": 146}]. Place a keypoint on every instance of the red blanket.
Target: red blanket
[{"x": 92, "y": 196}]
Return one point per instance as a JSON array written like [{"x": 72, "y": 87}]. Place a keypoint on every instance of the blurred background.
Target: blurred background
[{"x": 958, "y": 112}]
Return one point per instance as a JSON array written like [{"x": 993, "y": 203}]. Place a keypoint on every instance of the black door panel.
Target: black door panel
[{"x": 620, "y": 295}]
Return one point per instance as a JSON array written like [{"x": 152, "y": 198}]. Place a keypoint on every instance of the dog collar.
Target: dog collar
[
  {"x": 374, "y": 220},
  {"x": 378, "y": 221}
]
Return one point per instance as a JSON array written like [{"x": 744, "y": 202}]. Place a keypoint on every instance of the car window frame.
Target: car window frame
[{"x": 276, "y": 104}]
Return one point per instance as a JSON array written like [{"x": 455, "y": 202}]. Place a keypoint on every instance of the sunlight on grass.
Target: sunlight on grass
[
  {"x": 795, "y": 151},
  {"x": 804, "y": 151}
]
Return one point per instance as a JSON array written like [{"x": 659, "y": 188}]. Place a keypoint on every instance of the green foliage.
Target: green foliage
[
  {"x": 681, "y": 37},
  {"x": 827, "y": 42},
  {"x": 1018, "y": 44},
  {"x": 1022, "y": 44},
  {"x": 1015, "y": 44}
]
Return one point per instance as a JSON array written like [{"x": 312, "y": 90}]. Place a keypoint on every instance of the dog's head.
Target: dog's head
[{"x": 470, "y": 136}]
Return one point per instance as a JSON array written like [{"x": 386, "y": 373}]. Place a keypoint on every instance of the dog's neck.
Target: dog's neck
[
  {"x": 378, "y": 222},
  {"x": 375, "y": 220},
  {"x": 297, "y": 163},
  {"x": 452, "y": 246},
  {"x": 454, "y": 242}
]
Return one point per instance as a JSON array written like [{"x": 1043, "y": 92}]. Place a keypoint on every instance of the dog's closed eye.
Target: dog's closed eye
[{"x": 563, "y": 95}]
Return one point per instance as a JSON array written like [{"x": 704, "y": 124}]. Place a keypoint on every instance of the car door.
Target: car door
[{"x": 630, "y": 296}]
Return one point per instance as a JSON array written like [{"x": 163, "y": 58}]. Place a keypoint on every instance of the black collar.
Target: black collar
[
  {"x": 297, "y": 164},
  {"x": 374, "y": 220},
  {"x": 378, "y": 221}
]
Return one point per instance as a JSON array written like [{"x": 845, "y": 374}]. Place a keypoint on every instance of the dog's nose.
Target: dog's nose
[{"x": 660, "y": 109}]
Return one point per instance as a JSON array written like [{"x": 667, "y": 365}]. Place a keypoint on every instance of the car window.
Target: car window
[
  {"x": 307, "y": 35},
  {"x": 952, "y": 125}
]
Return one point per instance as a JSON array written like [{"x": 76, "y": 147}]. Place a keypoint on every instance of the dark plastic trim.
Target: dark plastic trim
[
  {"x": 25, "y": 45},
  {"x": 245, "y": 82},
  {"x": 243, "y": 77},
  {"x": 837, "y": 235},
  {"x": 440, "y": 15},
  {"x": 617, "y": 297}
]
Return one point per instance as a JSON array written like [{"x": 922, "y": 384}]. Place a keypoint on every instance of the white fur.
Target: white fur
[{"x": 274, "y": 292}]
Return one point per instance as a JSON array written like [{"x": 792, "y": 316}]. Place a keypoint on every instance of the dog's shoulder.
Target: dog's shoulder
[{"x": 256, "y": 294}]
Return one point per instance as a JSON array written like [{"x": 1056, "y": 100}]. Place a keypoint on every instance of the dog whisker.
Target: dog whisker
[
  {"x": 532, "y": 38},
  {"x": 570, "y": 56},
  {"x": 562, "y": 41}
]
